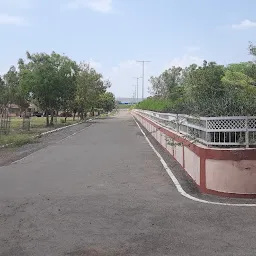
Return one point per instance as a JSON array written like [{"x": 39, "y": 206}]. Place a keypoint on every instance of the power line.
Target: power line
[{"x": 143, "y": 67}]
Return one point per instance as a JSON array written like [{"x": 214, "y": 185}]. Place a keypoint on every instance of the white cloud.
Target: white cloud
[
  {"x": 6, "y": 19},
  {"x": 103, "y": 6},
  {"x": 185, "y": 61},
  {"x": 245, "y": 24}
]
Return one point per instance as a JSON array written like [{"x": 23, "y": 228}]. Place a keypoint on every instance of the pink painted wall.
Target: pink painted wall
[
  {"x": 170, "y": 149},
  {"x": 178, "y": 152},
  {"x": 192, "y": 165},
  {"x": 231, "y": 176}
]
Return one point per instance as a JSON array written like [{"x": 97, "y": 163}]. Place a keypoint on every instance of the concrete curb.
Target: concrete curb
[{"x": 51, "y": 131}]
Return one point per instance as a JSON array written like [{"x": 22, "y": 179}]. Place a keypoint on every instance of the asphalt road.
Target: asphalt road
[{"x": 104, "y": 192}]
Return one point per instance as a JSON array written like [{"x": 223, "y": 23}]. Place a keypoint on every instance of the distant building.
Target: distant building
[
  {"x": 127, "y": 100},
  {"x": 15, "y": 110}
]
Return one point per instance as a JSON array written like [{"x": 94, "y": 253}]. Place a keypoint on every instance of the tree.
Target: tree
[
  {"x": 55, "y": 83},
  {"x": 11, "y": 80},
  {"x": 166, "y": 84},
  {"x": 159, "y": 88},
  {"x": 3, "y": 95},
  {"x": 107, "y": 101},
  {"x": 67, "y": 82},
  {"x": 51, "y": 79},
  {"x": 205, "y": 88},
  {"x": 90, "y": 86}
]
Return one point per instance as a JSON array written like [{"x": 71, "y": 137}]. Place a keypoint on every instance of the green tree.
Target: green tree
[
  {"x": 90, "y": 85},
  {"x": 51, "y": 80},
  {"x": 107, "y": 101},
  {"x": 11, "y": 80},
  {"x": 67, "y": 83},
  {"x": 237, "y": 74},
  {"x": 166, "y": 84},
  {"x": 3, "y": 95},
  {"x": 206, "y": 88}
]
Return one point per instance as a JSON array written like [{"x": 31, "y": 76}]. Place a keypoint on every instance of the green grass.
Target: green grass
[
  {"x": 39, "y": 122},
  {"x": 16, "y": 140},
  {"x": 19, "y": 137}
]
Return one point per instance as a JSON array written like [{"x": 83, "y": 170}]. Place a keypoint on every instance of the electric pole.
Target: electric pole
[
  {"x": 143, "y": 71},
  {"x": 137, "y": 88},
  {"x": 135, "y": 94}
]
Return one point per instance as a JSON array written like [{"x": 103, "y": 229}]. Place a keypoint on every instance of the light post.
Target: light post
[
  {"x": 135, "y": 93},
  {"x": 137, "y": 88},
  {"x": 143, "y": 67}
]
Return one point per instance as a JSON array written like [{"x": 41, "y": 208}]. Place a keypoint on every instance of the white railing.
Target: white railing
[{"x": 227, "y": 131}]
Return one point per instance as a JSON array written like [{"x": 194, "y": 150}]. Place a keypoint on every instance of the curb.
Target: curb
[{"x": 51, "y": 131}]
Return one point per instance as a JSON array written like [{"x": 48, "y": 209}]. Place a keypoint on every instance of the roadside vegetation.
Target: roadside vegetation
[
  {"x": 53, "y": 87},
  {"x": 207, "y": 90},
  {"x": 19, "y": 136}
]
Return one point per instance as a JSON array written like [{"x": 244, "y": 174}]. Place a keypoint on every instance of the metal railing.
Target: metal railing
[{"x": 226, "y": 131}]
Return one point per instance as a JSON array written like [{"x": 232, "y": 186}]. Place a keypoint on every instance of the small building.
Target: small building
[{"x": 15, "y": 110}]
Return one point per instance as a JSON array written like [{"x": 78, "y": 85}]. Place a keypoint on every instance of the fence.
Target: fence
[
  {"x": 228, "y": 131},
  {"x": 4, "y": 122}
]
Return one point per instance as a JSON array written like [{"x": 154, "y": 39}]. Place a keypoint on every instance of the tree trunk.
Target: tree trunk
[
  {"x": 47, "y": 118},
  {"x": 91, "y": 112},
  {"x": 52, "y": 116},
  {"x": 74, "y": 116}
]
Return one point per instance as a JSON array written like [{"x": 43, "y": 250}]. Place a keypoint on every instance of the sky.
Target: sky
[{"x": 113, "y": 34}]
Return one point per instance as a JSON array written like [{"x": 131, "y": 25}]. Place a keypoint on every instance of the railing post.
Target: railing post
[
  {"x": 246, "y": 133},
  {"x": 177, "y": 123},
  {"x": 206, "y": 133}
]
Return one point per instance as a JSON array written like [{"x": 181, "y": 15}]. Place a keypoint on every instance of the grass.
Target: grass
[
  {"x": 16, "y": 140},
  {"x": 39, "y": 122},
  {"x": 19, "y": 137}
]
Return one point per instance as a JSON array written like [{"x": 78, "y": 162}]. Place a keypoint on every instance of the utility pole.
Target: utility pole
[
  {"x": 137, "y": 88},
  {"x": 135, "y": 94},
  {"x": 143, "y": 71}
]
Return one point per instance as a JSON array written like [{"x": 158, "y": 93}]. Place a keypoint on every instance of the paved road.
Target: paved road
[{"x": 104, "y": 192}]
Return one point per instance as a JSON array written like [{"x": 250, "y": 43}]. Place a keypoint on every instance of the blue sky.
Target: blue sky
[{"x": 113, "y": 34}]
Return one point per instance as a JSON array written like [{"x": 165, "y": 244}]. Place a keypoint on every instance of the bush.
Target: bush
[{"x": 153, "y": 104}]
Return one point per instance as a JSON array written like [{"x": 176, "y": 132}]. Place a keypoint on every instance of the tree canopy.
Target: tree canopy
[
  {"x": 207, "y": 90},
  {"x": 55, "y": 83}
]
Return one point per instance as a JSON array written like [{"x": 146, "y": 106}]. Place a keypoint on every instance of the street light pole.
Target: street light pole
[
  {"x": 143, "y": 71},
  {"x": 137, "y": 88},
  {"x": 135, "y": 93}
]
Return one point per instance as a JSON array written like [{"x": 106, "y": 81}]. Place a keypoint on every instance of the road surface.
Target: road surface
[{"x": 104, "y": 192}]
